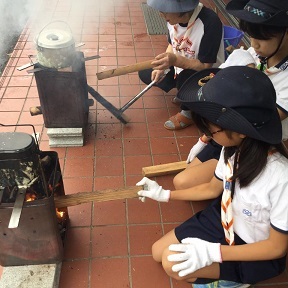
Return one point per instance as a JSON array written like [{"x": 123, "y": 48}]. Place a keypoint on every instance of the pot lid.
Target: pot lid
[
  {"x": 16, "y": 145},
  {"x": 54, "y": 38}
]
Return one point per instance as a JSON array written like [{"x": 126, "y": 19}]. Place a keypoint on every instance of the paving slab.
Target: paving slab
[{"x": 40, "y": 276}]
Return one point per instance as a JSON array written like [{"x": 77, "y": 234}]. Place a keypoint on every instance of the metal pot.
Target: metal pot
[{"x": 55, "y": 48}]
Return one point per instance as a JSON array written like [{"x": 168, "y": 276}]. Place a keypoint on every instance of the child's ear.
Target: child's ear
[{"x": 242, "y": 136}]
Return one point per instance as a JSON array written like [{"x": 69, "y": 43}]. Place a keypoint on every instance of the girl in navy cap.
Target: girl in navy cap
[
  {"x": 266, "y": 22},
  {"x": 242, "y": 235}
]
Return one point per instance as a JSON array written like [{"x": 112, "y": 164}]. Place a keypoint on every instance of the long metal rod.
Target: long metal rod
[{"x": 129, "y": 103}]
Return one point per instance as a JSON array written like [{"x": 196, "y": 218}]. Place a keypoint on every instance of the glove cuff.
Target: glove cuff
[
  {"x": 167, "y": 195},
  {"x": 164, "y": 195},
  {"x": 215, "y": 252}
]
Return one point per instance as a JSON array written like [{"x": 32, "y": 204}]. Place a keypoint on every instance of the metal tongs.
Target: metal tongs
[{"x": 18, "y": 205}]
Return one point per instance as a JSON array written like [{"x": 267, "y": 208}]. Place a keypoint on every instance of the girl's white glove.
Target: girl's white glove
[
  {"x": 194, "y": 254},
  {"x": 153, "y": 191},
  {"x": 195, "y": 150},
  {"x": 239, "y": 57}
]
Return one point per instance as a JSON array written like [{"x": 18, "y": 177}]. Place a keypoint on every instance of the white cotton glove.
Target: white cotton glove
[
  {"x": 195, "y": 150},
  {"x": 195, "y": 254},
  {"x": 153, "y": 191},
  {"x": 239, "y": 57}
]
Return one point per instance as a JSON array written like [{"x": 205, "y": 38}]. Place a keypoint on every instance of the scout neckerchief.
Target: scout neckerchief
[
  {"x": 184, "y": 40},
  {"x": 226, "y": 201}
]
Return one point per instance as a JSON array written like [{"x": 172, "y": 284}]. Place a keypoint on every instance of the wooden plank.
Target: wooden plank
[
  {"x": 164, "y": 169},
  {"x": 97, "y": 196}
]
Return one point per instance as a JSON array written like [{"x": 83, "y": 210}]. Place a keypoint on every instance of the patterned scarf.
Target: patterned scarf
[{"x": 226, "y": 205}]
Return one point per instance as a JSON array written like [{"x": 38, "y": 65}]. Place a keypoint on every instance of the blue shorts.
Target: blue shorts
[
  {"x": 206, "y": 225},
  {"x": 211, "y": 151}
]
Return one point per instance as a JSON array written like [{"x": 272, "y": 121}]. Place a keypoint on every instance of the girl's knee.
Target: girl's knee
[
  {"x": 157, "y": 252},
  {"x": 179, "y": 181},
  {"x": 167, "y": 266}
]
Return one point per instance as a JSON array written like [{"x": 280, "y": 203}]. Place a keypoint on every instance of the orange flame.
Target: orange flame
[{"x": 30, "y": 197}]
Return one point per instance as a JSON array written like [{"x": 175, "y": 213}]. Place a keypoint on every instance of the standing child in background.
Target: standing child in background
[
  {"x": 266, "y": 22},
  {"x": 242, "y": 235},
  {"x": 195, "y": 43}
]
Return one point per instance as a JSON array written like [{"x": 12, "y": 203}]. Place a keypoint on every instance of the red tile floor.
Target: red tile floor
[{"x": 109, "y": 243}]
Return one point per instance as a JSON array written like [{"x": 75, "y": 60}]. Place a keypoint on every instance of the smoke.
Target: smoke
[{"x": 13, "y": 17}]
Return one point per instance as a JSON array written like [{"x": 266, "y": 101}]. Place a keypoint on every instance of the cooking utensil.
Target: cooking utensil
[
  {"x": 125, "y": 70},
  {"x": 55, "y": 47},
  {"x": 118, "y": 113},
  {"x": 18, "y": 205},
  {"x": 110, "y": 107},
  {"x": 17, "y": 209},
  {"x": 129, "y": 103}
]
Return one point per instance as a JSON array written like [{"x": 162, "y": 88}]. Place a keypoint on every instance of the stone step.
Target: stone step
[{"x": 40, "y": 276}]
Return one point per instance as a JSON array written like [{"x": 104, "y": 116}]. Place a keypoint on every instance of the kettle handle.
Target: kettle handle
[{"x": 52, "y": 22}]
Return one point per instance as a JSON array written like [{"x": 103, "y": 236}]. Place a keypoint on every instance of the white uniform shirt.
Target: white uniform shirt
[
  {"x": 208, "y": 47},
  {"x": 279, "y": 78},
  {"x": 264, "y": 203}
]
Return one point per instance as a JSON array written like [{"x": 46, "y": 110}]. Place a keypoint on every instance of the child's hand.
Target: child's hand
[
  {"x": 164, "y": 61},
  {"x": 157, "y": 75},
  {"x": 153, "y": 191},
  {"x": 196, "y": 149},
  {"x": 194, "y": 254}
]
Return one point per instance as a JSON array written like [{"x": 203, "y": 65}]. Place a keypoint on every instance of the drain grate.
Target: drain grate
[{"x": 155, "y": 24}]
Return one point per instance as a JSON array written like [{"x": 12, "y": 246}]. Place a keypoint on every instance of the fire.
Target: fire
[
  {"x": 60, "y": 214},
  {"x": 30, "y": 197}
]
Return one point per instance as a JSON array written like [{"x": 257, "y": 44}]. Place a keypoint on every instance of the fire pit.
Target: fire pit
[{"x": 32, "y": 230}]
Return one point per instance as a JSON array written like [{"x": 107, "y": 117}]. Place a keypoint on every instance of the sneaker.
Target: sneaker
[
  {"x": 221, "y": 284},
  {"x": 175, "y": 100}
]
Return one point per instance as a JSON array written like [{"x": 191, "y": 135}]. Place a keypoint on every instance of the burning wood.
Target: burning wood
[
  {"x": 30, "y": 197},
  {"x": 97, "y": 196}
]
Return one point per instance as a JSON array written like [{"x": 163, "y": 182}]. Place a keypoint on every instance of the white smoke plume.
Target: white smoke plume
[{"x": 13, "y": 17}]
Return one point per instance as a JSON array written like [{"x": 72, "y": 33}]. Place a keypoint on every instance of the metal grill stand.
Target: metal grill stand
[{"x": 37, "y": 232}]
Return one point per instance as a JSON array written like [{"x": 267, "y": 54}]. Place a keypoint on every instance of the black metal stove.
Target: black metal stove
[
  {"x": 31, "y": 228},
  {"x": 63, "y": 94}
]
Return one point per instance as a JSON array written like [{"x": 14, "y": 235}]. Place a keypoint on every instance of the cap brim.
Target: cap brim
[
  {"x": 172, "y": 6},
  {"x": 191, "y": 87},
  {"x": 230, "y": 119},
  {"x": 236, "y": 8}
]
